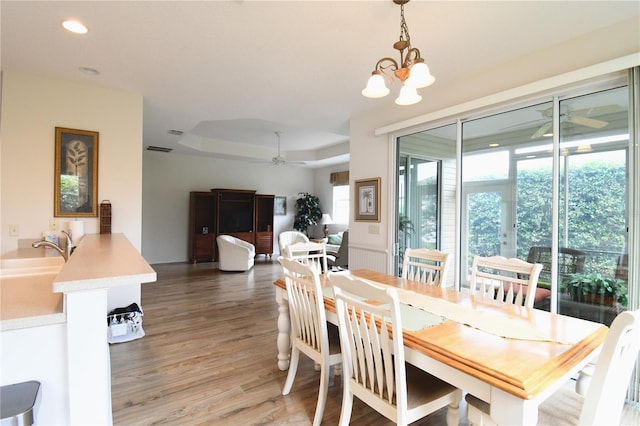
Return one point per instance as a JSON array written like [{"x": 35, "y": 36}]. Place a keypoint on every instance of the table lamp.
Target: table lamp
[{"x": 326, "y": 220}]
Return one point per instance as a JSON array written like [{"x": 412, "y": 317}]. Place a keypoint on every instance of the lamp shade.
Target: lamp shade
[
  {"x": 408, "y": 96},
  {"x": 326, "y": 219},
  {"x": 419, "y": 76},
  {"x": 375, "y": 86}
]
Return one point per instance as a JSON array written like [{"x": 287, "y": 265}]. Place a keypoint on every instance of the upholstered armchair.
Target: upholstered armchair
[
  {"x": 234, "y": 254},
  {"x": 341, "y": 257},
  {"x": 290, "y": 237}
]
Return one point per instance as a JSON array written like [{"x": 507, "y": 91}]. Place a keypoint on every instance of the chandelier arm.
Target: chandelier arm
[
  {"x": 386, "y": 64},
  {"x": 413, "y": 56}
]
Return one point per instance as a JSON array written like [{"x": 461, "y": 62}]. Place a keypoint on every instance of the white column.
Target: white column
[{"x": 88, "y": 358}]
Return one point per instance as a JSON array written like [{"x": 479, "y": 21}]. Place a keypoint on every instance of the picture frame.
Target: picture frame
[
  {"x": 367, "y": 196},
  {"x": 280, "y": 206},
  {"x": 76, "y": 173}
]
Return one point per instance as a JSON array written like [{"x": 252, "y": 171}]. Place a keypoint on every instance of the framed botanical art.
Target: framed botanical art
[
  {"x": 280, "y": 206},
  {"x": 367, "y": 196},
  {"x": 76, "y": 173}
]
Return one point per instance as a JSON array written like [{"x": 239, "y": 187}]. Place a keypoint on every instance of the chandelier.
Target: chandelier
[{"x": 411, "y": 71}]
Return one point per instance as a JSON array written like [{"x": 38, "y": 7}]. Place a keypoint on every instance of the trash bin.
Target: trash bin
[{"x": 19, "y": 403}]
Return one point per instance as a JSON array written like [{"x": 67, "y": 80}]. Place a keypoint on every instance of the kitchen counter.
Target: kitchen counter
[{"x": 60, "y": 338}]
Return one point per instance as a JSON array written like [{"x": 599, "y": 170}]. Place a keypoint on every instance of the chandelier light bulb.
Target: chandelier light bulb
[
  {"x": 419, "y": 76},
  {"x": 408, "y": 96},
  {"x": 376, "y": 88}
]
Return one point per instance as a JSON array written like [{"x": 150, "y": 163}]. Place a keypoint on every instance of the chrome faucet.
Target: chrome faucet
[
  {"x": 65, "y": 253},
  {"x": 70, "y": 245}
]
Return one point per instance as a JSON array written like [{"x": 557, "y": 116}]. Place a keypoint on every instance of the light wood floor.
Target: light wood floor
[{"x": 209, "y": 356}]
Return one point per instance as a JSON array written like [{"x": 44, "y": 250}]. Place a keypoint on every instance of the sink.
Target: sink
[
  {"x": 26, "y": 263},
  {"x": 26, "y": 291}
]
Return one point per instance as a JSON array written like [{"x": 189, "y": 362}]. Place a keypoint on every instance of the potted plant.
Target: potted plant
[
  {"x": 308, "y": 211},
  {"x": 594, "y": 288}
]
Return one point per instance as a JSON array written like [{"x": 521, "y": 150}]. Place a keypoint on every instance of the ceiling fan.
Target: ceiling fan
[
  {"x": 578, "y": 116},
  {"x": 279, "y": 160}
]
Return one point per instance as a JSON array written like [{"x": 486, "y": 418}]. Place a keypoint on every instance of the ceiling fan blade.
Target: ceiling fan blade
[
  {"x": 603, "y": 109},
  {"x": 586, "y": 121},
  {"x": 541, "y": 131}
]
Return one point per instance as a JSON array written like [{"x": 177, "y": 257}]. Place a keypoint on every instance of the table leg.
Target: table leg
[
  {"x": 507, "y": 409},
  {"x": 284, "y": 331}
]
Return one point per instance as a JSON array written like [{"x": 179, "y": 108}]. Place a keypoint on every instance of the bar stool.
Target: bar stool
[{"x": 19, "y": 402}]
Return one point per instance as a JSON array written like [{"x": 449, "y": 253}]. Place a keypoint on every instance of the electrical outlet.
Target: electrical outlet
[
  {"x": 14, "y": 230},
  {"x": 53, "y": 224}
]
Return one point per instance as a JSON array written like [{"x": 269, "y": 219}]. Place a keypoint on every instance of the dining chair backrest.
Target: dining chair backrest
[
  {"x": 509, "y": 280},
  {"x": 427, "y": 266},
  {"x": 371, "y": 340},
  {"x": 312, "y": 254},
  {"x": 605, "y": 397}
]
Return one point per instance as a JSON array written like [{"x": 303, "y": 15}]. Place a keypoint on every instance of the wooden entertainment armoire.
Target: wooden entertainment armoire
[{"x": 238, "y": 212}]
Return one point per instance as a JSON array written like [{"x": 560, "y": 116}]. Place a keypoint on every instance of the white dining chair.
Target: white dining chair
[
  {"x": 510, "y": 280},
  {"x": 374, "y": 368},
  {"x": 604, "y": 400},
  {"x": 427, "y": 266},
  {"x": 309, "y": 253},
  {"x": 309, "y": 333}
]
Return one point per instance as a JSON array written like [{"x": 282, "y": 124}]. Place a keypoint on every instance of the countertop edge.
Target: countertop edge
[{"x": 102, "y": 261}]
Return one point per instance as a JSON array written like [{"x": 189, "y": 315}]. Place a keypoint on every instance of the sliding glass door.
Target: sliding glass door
[
  {"x": 425, "y": 188},
  {"x": 505, "y": 184}
]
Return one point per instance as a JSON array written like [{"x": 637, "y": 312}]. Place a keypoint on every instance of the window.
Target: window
[{"x": 341, "y": 204}]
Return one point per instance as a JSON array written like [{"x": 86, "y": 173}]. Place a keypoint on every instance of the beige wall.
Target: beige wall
[
  {"x": 32, "y": 106},
  {"x": 168, "y": 178},
  {"x": 371, "y": 156}
]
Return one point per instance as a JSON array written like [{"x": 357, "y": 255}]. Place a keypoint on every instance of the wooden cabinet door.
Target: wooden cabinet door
[
  {"x": 264, "y": 243},
  {"x": 203, "y": 248}
]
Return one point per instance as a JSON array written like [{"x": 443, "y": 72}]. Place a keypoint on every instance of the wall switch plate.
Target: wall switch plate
[
  {"x": 374, "y": 229},
  {"x": 53, "y": 224},
  {"x": 14, "y": 230}
]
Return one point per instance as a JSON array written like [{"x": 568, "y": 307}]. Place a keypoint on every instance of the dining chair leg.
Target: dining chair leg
[
  {"x": 322, "y": 395},
  {"x": 347, "y": 405},
  {"x": 293, "y": 368}
]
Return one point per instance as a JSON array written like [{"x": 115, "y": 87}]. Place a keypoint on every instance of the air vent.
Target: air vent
[
  {"x": 175, "y": 132},
  {"x": 158, "y": 148}
]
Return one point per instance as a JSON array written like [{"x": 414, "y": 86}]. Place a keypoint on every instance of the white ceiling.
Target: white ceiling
[{"x": 230, "y": 73}]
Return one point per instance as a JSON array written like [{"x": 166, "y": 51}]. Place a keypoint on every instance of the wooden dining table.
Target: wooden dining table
[{"x": 514, "y": 375}]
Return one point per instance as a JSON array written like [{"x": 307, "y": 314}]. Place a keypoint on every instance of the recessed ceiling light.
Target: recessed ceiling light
[
  {"x": 89, "y": 70},
  {"x": 75, "y": 27},
  {"x": 493, "y": 145}
]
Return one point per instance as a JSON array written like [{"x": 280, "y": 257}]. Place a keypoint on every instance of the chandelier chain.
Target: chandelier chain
[{"x": 404, "y": 29}]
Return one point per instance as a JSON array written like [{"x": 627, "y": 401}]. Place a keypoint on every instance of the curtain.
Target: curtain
[{"x": 339, "y": 178}]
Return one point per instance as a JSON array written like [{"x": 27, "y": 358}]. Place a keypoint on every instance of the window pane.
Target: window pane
[
  {"x": 593, "y": 201},
  {"x": 340, "y": 213}
]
